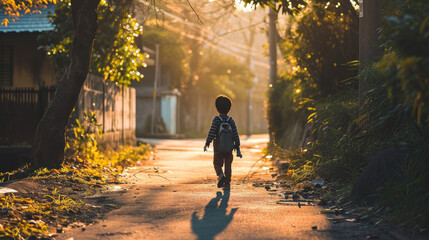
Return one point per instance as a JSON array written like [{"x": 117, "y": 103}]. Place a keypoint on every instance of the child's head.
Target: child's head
[{"x": 223, "y": 104}]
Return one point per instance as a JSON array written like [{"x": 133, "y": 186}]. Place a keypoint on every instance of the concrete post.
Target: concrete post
[
  {"x": 155, "y": 86},
  {"x": 272, "y": 41}
]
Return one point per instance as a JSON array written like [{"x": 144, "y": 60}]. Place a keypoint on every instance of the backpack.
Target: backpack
[{"x": 225, "y": 141}]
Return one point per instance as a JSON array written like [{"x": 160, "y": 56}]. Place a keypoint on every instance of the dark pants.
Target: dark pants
[{"x": 218, "y": 160}]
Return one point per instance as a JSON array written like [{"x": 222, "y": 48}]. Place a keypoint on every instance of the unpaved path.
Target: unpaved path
[{"x": 175, "y": 197}]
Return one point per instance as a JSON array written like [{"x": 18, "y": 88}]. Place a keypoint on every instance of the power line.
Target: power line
[
  {"x": 206, "y": 41},
  {"x": 226, "y": 43}
]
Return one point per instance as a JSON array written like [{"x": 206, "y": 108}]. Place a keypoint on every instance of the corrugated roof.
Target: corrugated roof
[{"x": 30, "y": 22}]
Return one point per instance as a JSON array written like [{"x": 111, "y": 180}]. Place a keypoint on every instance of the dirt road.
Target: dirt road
[{"x": 175, "y": 197}]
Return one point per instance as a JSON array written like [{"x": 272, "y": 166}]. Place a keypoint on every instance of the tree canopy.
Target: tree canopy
[
  {"x": 222, "y": 74},
  {"x": 173, "y": 53},
  {"x": 12, "y": 9},
  {"x": 190, "y": 55},
  {"x": 294, "y": 6},
  {"x": 115, "y": 56}
]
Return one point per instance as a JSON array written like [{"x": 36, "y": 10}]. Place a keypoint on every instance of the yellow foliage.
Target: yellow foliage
[{"x": 14, "y": 8}]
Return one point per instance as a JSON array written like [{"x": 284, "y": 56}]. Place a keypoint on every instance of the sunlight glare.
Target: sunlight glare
[
  {"x": 241, "y": 6},
  {"x": 355, "y": 5}
]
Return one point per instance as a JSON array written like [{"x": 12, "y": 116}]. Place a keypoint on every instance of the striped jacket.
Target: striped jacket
[{"x": 214, "y": 132}]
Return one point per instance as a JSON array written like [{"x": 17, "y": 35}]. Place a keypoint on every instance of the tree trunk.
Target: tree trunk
[{"x": 49, "y": 141}]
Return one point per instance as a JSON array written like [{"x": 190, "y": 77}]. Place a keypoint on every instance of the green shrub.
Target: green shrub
[
  {"x": 333, "y": 126},
  {"x": 405, "y": 70},
  {"x": 407, "y": 202},
  {"x": 288, "y": 106},
  {"x": 406, "y": 63},
  {"x": 317, "y": 91},
  {"x": 82, "y": 138},
  {"x": 321, "y": 41},
  {"x": 82, "y": 147}
]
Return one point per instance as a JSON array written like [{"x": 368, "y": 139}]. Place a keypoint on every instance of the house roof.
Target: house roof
[{"x": 34, "y": 22}]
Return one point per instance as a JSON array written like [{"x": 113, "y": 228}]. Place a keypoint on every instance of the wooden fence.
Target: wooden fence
[
  {"x": 20, "y": 111},
  {"x": 22, "y": 108},
  {"x": 113, "y": 106}
]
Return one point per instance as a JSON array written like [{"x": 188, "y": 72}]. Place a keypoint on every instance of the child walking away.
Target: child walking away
[{"x": 225, "y": 135}]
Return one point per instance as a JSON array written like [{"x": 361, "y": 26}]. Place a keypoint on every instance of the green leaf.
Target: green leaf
[{"x": 423, "y": 25}]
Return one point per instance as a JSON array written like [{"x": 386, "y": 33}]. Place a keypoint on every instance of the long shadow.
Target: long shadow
[{"x": 215, "y": 219}]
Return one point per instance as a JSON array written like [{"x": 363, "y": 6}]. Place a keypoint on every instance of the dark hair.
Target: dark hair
[{"x": 223, "y": 104}]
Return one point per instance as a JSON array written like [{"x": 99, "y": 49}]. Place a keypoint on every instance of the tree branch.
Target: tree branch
[{"x": 195, "y": 12}]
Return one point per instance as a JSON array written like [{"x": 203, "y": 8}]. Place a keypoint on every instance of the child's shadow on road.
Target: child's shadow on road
[{"x": 215, "y": 219}]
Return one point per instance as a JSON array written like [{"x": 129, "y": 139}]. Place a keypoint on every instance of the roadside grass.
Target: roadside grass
[
  {"x": 343, "y": 143},
  {"x": 60, "y": 200},
  {"x": 25, "y": 216},
  {"x": 57, "y": 197}
]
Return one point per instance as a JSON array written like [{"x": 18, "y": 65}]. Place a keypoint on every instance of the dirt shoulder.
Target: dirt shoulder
[{"x": 48, "y": 202}]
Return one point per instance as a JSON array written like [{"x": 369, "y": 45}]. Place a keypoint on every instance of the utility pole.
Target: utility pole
[
  {"x": 249, "y": 111},
  {"x": 194, "y": 64},
  {"x": 272, "y": 42},
  {"x": 369, "y": 44},
  {"x": 249, "y": 42},
  {"x": 155, "y": 86}
]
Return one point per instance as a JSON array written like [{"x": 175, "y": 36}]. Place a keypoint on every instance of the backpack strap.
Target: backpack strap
[{"x": 224, "y": 121}]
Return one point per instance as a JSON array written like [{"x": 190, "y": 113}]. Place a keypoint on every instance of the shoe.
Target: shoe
[
  {"x": 221, "y": 181},
  {"x": 227, "y": 186}
]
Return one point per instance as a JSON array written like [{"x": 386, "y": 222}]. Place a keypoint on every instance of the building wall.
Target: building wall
[
  {"x": 144, "y": 100},
  {"x": 144, "y": 104},
  {"x": 31, "y": 67}
]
